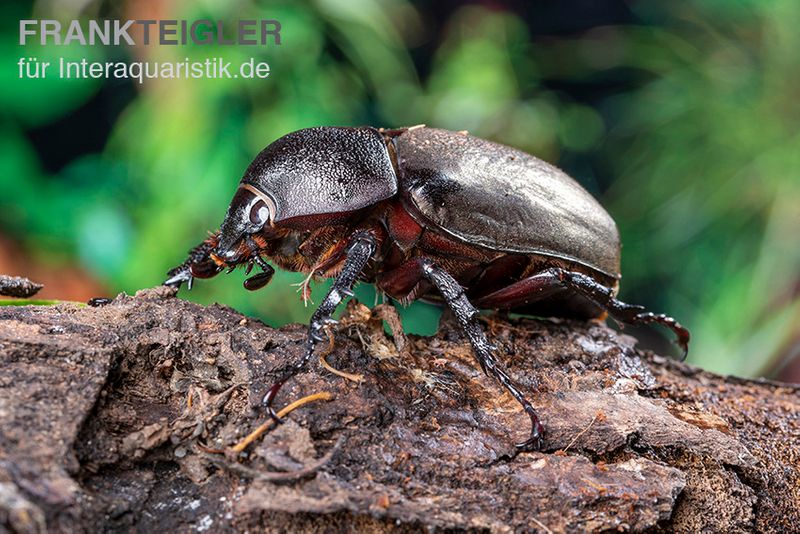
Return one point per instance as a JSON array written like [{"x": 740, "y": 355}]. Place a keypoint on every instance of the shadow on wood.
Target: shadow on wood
[{"x": 123, "y": 416}]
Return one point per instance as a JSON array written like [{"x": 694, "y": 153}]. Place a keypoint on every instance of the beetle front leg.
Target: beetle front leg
[
  {"x": 198, "y": 265},
  {"x": 361, "y": 249},
  {"x": 467, "y": 316}
]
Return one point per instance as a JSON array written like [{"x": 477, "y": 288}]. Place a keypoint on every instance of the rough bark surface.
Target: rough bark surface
[{"x": 111, "y": 418}]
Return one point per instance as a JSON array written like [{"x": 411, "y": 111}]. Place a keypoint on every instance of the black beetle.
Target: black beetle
[{"x": 423, "y": 213}]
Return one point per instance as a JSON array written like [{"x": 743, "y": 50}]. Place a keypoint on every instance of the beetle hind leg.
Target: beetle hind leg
[
  {"x": 467, "y": 315},
  {"x": 620, "y": 311},
  {"x": 546, "y": 283}
]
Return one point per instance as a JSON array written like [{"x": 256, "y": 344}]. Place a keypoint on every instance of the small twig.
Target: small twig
[
  {"x": 284, "y": 476},
  {"x": 541, "y": 525},
  {"x": 17, "y": 286},
  {"x": 254, "y": 435},
  {"x": 582, "y": 432},
  {"x": 388, "y": 313},
  {"x": 348, "y": 376}
]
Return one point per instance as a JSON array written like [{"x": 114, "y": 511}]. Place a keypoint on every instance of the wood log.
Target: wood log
[{"x": 125, "y": 417}]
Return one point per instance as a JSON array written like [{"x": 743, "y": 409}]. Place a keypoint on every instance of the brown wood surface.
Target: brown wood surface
[{"x": 113, "y": 418}]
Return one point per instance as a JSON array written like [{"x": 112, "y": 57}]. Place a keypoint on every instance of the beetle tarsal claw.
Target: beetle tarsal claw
[
  {"x": 274, "y": 415},
  {"x": 175, "y": 280},
  {"x": 534, "y": 443},
  {"x": 317, "y": 336},
  {"x": 177, "y": 277}
]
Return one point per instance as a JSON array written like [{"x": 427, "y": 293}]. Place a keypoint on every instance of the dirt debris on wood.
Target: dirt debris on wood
[
  {"x": 124, "y": 417},
  {"x": 18, "y": 286}
]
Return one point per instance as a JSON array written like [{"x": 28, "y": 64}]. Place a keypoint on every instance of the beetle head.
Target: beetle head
[
  {"x": 250, "y": 211},
  {"x": 324, "y": 171}
]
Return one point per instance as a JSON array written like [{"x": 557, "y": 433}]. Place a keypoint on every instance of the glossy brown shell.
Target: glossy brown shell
[
  {"x": 492, "y": 195},
  {"x": 324, "y": 170}
]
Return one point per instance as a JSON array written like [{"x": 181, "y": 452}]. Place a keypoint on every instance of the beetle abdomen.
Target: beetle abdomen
[{"x": 501, "y": 198}]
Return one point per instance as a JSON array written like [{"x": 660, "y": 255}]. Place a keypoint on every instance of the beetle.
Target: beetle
[{"x": 423, "y": 213}]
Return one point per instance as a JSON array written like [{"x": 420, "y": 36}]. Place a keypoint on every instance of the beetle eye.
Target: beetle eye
[{"x": 259, "y": 213}]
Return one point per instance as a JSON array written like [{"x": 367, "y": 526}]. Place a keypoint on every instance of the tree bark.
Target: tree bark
[{"x": 123, "y": 417}]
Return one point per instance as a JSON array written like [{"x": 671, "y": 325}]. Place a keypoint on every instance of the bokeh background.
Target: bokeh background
[{"x": 681, "y": 117}]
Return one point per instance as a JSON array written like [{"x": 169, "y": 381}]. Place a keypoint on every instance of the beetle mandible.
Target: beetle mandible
[{"x": 423, "y": 213}]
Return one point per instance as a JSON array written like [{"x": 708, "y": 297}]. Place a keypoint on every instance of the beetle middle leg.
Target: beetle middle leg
[
  {"x": 359, "y": 252},
  {"x": 467, "y": 316}
]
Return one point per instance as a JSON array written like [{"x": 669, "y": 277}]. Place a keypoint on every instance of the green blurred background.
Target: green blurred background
[{"x": 681, "y": 117}]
